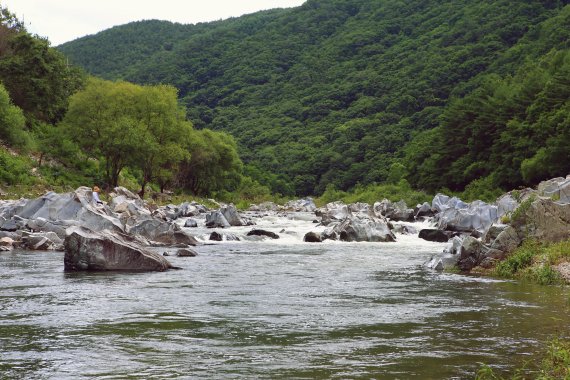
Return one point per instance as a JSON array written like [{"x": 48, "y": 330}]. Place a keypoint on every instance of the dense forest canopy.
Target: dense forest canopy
[
  {"x": 72, "y": 130},
  {"x": 330, "y": 93}
]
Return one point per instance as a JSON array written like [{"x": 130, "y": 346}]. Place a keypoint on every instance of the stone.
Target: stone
[
  {"x": 232, "y": 216},
  {"x": 42, "y": 241},
  {"x": 221, "y": 236},
  {"x": 434, "y": 235},
  {"x": 459, "y": 216},
  {"x": 361, "y": 228},
  {"x": 333, "y": 211},
  {"x": 162, "y": 232},
  {"x": 507, "y": 241},
  {"x": 190, "y": 223},
  {"x": 87, "y": 250},
  {"x": 258, "y": 232},
  {"x": 301, "y": 205},
  {"x": 215, "y": 219},
  {"x": 6, "y": 244},
  {"x": 471, "y": 253},
  {"x": 186, "y": 253},
  {"x": 423, "y": 210},
  {"x": 545, "y": 220},
  {"x": 312, "y": 237}
]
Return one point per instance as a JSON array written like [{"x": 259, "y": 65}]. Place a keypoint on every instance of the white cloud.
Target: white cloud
[{"x": 65, "y": 20}]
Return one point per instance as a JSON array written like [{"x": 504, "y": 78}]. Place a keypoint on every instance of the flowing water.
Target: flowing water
[{"x": 267, "y": 310}]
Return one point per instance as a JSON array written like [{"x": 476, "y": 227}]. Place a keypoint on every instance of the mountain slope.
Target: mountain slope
[{"x": 329, "y": 92}]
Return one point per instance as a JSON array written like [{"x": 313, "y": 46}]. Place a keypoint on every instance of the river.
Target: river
[{"x": 267, "y": 310}]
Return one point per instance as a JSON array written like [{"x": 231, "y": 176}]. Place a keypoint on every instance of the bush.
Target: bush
[
  {"x": 15, "y": 170},
  {"x": 520, "y": 259}
]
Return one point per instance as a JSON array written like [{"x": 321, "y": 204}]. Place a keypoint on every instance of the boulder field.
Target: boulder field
[{"x": 119, "y": 235}]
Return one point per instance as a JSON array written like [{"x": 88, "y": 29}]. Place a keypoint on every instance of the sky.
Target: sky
[{"x": 65, "y": 20}]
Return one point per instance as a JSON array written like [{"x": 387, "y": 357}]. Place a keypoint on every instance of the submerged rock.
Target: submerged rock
[{"x": 258, "y": 232}]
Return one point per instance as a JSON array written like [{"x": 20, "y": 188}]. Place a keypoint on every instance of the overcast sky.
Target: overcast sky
[{"x": 65, "y": 20}]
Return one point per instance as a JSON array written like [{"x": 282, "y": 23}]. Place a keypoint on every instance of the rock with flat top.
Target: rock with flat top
[{"x": 87, "y": 250}]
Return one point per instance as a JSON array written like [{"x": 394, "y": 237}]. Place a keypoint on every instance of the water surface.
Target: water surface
[{"x": 270, "y": 309}]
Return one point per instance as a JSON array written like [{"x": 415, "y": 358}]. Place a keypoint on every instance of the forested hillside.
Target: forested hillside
[{"x": 341, "y": 92}]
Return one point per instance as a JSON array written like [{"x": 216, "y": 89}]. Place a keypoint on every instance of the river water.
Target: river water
[{"x": 270, "y": 309}]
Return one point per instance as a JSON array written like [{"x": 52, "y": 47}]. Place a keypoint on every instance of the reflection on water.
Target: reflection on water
[{"x": 279, "y": 309}]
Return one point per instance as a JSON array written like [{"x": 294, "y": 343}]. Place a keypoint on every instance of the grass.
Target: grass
[
  {"x": 534, "y": 261},
  {"x": 555, "y": 364}
]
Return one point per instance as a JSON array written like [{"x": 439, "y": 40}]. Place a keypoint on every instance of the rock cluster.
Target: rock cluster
[{"x": 94, "y": 237}]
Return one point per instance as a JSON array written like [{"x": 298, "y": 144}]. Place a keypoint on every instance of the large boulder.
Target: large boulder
[
  {"x": 556, "y": 188},
  {"x": 87, "y": 250},
  {"x": 434, "y": 235},
  {"x": 333, "y": 211},
  {"x": 232, "y": 216},
  {"x": 301, "y": 205},
  {"x": 215, "y": 219},
  {"x": 398, "y": 211},
  {"x": 363, "y": 228},
  {"x": 42, "y": 241},
  {"x": 472, "y": 252},
  {"x": 258, "y": 232},
  {"x": 545, "y": 220},
  {"x": 477, "y": 216},
  {"x": 159, "y": 231},
  {"x": 74, "y": 208}
]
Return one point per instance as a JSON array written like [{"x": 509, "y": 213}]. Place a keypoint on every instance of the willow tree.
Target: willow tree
[{"x": 124, "y": 124}]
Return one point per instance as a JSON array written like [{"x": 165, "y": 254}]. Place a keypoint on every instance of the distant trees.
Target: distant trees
[
  {"x": 144, "y": 128},
  {"x": 332, "y": 92}
]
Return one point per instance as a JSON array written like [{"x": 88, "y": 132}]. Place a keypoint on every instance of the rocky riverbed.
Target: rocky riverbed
[{"x": 124, "y": 234}]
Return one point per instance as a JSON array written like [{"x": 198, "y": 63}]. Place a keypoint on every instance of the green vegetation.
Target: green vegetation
[
  {"x": 553, "y": 366},
  {"x": 463, "y": 95},
  {"x": 534, "y": 261},
  {"x": 78, "y": 131},
  {"x": 373, "y": 193}
]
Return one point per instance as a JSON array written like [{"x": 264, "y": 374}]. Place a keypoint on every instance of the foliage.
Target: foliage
[
  {"x": 37, "y": 76},
  {"x": 12, "y": 123},
  {"x": 374, "y": 193},
  {"x": 520, "y": 212},
  {"x": 15, "y": 170},
  {"x": 344, "y": 85},
  {"x": 534, "y": 261}
]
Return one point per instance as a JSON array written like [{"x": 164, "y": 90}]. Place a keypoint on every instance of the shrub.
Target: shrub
[{"x": 521, "y": 258}]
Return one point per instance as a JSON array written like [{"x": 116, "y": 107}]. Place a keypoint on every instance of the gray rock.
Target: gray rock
[
  {"x": 190, "y": 223},
  {"x": 162, "y": 232},
  {"x": 215, "y": 219},
  {"x": 301, "y": 205},
  {"x": 186, "y": 253},
  {"x": 42, "y": 241},
  {"x": 557, "y": 188},
  {"x": 545, "y": 220},
  {"x": 443, "y": 262},
  {"x": 434, "y": 235},
  {"x": 471, "y": 253},
  {"x": 232, "y": 216},
  {"x": 423, "y": 210},
  {"x": 507, "y": 241},
  {"x": 312, "y": 237},
  {"x": 221, "y": 236},
  {"x": 258, "y": 232},
  {"x": 361, "y": 228},
  {"x": 332, "y": 212},
  {"x": 459, "y": 216},
  {"x": 102, "y": 251}
]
